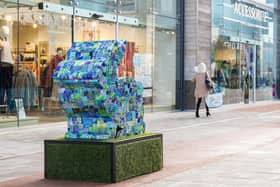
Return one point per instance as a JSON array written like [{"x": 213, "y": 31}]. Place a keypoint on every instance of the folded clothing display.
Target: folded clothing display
[{"x": 98, "y": 103}]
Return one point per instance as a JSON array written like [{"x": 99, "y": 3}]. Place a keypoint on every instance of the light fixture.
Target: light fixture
[
  {"x": 8, "y": 18},
  {"x": 35, "y": 25},
  {"x": 53, "y": 18},
  {"x": 94, "y": 24},
  {"x": 96, "y": 16},
  {"x": 63, "y": 17},
  {"x": 22, "y": 19},
  {"x": 85, "y": 21},
  {"x": 42, "y": 18}
]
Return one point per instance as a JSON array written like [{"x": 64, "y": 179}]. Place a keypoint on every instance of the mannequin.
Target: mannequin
[
  {"x": 54, "y": 61},
  {"x": 6, "y": 67}
]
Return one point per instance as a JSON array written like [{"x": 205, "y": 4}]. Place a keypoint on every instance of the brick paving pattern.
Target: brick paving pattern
[{"x": 237, "y": 146}]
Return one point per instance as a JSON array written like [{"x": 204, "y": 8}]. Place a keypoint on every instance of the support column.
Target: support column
[
  {"x": 197, "y": 43},
  {"x": 277, "y": 49}
]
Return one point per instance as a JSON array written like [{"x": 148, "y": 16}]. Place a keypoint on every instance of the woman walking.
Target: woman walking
[{"x": 201, "y": 90}]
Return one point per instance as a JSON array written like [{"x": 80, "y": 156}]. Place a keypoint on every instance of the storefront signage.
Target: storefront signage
[
  {"x": 234, "y": 45},
  {"x": 248, "y": 11}
]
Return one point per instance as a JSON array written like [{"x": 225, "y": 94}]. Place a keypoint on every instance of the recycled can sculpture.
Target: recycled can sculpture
[{"x": 98, "y": 103}]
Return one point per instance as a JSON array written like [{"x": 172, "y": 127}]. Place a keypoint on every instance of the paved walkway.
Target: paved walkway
[{"x": 237, "y": 146}]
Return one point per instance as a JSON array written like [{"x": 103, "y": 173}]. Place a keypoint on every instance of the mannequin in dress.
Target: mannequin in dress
[
  {"x": 54, "y": 61},
  {"x": 6, "y": 67}
]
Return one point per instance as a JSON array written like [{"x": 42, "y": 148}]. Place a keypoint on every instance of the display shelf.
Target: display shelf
[
  {"x": 29, "y": 51},
  {"x": 26, "y": 62},
  {"x": 23, "y": 51}
]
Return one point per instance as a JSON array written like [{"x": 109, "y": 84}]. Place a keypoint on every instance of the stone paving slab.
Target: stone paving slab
[{"x": 232, "y": 148}]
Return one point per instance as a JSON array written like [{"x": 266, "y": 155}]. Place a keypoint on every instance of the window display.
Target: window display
[
  {"x": 6, "y": 67},
  {"x": 52, "y": 65},
  {"x": 25, "y": 86},
  {"x": 37, "y": 31},
  {"x": 242, "y": 46}
]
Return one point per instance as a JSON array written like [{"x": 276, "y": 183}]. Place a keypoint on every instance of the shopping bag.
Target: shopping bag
[{"x": 214, "y": 100}]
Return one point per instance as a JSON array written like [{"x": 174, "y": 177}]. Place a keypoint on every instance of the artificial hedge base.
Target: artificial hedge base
[{"x": 103, "y": 161}]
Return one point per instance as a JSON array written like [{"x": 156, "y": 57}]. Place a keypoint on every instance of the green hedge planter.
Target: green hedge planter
[{"x": 103, "y": 161}]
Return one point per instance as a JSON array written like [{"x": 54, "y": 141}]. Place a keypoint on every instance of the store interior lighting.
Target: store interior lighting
[
  {"x": 94, "y": 24},
  {"x": 68, "y": 10},
  {"x": 63, "y": 17},
  {"x": 50, "y": 17},
  {"x": 8, "y": 18}
]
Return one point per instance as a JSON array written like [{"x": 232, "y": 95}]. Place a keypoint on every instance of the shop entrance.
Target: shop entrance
[
  {"x": 41, "y": 34},
  {"x": 234, "y": 70},
  {"x": 248, "y": 75}
]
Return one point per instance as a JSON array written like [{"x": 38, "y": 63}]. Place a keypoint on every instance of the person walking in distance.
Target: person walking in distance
[{"x": 201, "y": 90}]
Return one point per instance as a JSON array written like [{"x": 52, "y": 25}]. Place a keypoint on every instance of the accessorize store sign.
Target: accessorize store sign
[{"x": 249, "y": 11}]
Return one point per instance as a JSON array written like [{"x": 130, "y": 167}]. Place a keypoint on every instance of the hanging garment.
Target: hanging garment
[
  {"x": 46, "y": 91},
  {"x": 43, "y": 75},
  {"x": 126, "y": 69},
  {"x": 6, "y": 76},
  {"x": 6, "y": 54},
  {"x": 25, "y": 86},
  {"x": 55, "y": 60}
]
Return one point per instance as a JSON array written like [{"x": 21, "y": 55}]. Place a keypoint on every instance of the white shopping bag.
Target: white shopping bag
[{"x": 214, "y": 100}]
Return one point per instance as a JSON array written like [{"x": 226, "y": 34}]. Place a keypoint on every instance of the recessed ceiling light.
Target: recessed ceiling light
[{"x": 8, "y": 18}]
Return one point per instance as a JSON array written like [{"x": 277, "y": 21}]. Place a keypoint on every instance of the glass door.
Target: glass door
[
  {"x": 250, "y": 73},
  {"x": 8, "y": 18}
]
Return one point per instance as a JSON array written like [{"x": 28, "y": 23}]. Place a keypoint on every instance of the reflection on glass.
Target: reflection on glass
[
  {"x": 242, "y": 44},
  {"x": 45, "y": 36}
]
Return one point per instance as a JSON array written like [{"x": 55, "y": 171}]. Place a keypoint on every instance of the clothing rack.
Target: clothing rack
[{"x": 25, "y": 86}]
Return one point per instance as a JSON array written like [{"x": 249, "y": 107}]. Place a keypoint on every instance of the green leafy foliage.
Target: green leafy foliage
[
  {"x": 138, "y": 158},
  {"x": 93, "y": 161},
  {"x": 83, "y": 162}
]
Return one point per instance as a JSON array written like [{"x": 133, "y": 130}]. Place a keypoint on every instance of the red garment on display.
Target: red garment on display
[
  {"x": 55, "y": 60},
  {"x": 126, "y": 69}
]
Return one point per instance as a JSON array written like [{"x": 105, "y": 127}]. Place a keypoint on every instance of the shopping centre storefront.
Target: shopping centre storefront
[
  {"x": 239, "y": 39},
  {"x": 243, "y": 43},
  {"x": 40, "y": 33}
]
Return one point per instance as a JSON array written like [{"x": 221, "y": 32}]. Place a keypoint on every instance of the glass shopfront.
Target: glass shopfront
[
  {"x": 39, "y": 37},
  {"x": 153, "y": 44},
  {"x": 242, "y": 53}
]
